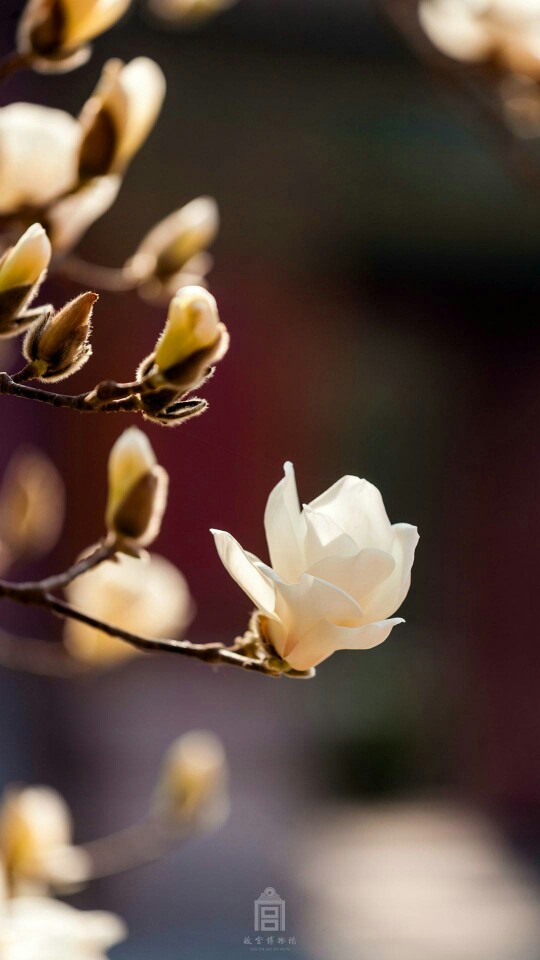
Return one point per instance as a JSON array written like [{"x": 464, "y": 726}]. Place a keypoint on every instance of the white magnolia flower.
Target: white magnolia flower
[
  {"x": 35, "y": 838},
  {"x": 192, "y": 325},
  {"x": 26, "y": 262},
  {"x": 192, "y": 790},
  {"x": 507, "y": 31},
  {"x": 147, "y": 596},
  {"x": 38, "y": 155},
  {"x": 38, "y": 928},
  {"x": 137, "y": 489},
  {"x": 339, "y": 570}
]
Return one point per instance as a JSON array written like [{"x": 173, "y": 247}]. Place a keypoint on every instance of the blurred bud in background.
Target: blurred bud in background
[
  {"x": 23, "y": 268},
  {"x": 137, "y": 489},
  {"x": 39, "y": 928},
  {"x": 521, "y": 100},
  {"x": 189, "y": 12},
  {"x": 31, "y": 507},
  {"x": 148, "y": 596},
  {"x": 35, "y": 840},
  {"x": 173, "y": 254},
  {"x": 192, "y": 791},
  {"x": 71, "y": 216},
  {"x": 120, "y": 115},
  {"x": 506, "y": 33},
  {"x": 57, "y": 345},
  {"x": 54, "y": 34},
  {"x": 38, "y": 155}
]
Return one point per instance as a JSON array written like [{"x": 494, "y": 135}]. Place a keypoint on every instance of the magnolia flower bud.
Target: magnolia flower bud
[
  {"x": 31, "y": 506},
  {"x": 22, "y": 269},
  {"x": 120, "y": 115},
  {"x": 26, "y": 262},
  {"x": 193, "y": 339},
  {"x": 192, "y": 791},
  {"x": 57, "y": 345},
  {"x": 188, "y": 11},
  {"x": 71, "y": 216},
  {"x": 137, "y": 489},
  {"x": 148, "y": 596},
  {"x": 174, "y": 249},
  {"x": 35, "y": 838},
  {"x": 53, "y": 34}
]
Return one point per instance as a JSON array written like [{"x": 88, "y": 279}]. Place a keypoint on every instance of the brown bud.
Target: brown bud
[{"x": 57, "y": 344}]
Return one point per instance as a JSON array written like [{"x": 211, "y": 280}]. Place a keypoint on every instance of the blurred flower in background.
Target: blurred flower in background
[{"x": 31, "y": 506}]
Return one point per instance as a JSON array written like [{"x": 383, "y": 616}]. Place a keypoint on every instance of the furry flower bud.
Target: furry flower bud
[
  {"x": 193, "y": 339},
  {"x": 137, "y": 489},
  {"x": 192, "y": 791},
  {"x": 120, "y": 115},
  {"x": 54, "y": 33},
  {"x": 57, "y": 345}
]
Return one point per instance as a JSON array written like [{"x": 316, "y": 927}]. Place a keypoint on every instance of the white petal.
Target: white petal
[
  {"x": 389, "y": 596},
  {"x": 300, "y": 606},
  {"x": 358, "y": 575},
  {"x": 357, "y": 507},
  {"x": 325, "y": 539},
  {"x": 325, "y": 638},
  {"x": 88, "y": 18},
  {"x": 70, "y": 217},
  {"x": 259, "y": 588},
  {"x": 285, "y": 528}
]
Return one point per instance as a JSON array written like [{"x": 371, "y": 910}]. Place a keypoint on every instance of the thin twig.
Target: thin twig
[
  {"x": 128, "y": 849},
  {"x": 40, "y": 658},
  {"x": 88, "y": 402},
  {"x": 93, "y": 275}
]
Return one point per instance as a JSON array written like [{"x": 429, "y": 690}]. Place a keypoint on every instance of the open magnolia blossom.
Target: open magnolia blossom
[
  {"x": 53, "y": 34},
  {"x": 148, "y": 596},
  {"x": 137, "y": 489},
  {"x": 173, "y": 254},
  {"x": 504, "y": 31},
  {"x": 188, "y": 11},
  {"x": 339, "y": 571},
  {"x": 119, "y": 116},
  {"x": 39, "y": 928},
  {"x": 35, "y": 840},
  {"x": 192, "y": 790}
]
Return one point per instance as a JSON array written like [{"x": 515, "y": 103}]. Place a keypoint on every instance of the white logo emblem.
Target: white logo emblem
[{"x": 270, "y": 911}]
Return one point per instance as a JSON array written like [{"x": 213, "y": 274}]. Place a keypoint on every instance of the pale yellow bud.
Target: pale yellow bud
[
  {"x": 192, "y": 325},
  {"x": 54, "y": 32},
  {"x": 25, "y": 263},
  {"x": 137, "y": 489},
  {"x": 120, "y": 115},
  {"x": 192, "y": 791},
  {"x": 57, "y": 344},
  {"x": 35, "y": 837},
  {"x": 148, "y": 596}
]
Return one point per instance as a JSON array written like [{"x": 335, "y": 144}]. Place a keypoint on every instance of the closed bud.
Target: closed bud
[
  {"x": 57, "y": 345},
  {"x": 137, "y": 489},
  {"x": 54, "y": 34},
  {"x": 193, "y": 339},
  {"x": 26, "y": 262},
  {"x": 192, "y": 790},
  {"x": 120, "y": 115},
  {"x": 22, "y": 269},
  {"x": 148, "y": 596},
  {"x": 35, "y": 838},
  {"x": 175, "y": 249}
]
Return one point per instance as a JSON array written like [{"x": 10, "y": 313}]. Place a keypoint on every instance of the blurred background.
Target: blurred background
[{"x": 378, "y": 270}]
